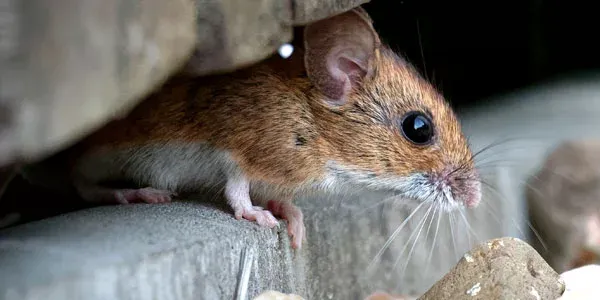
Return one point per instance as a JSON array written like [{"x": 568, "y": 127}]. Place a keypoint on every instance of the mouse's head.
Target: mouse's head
[{"x": 383, "y": 126}]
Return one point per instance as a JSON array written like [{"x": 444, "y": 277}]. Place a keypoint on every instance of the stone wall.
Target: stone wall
[{"x": 69, "y": 66}]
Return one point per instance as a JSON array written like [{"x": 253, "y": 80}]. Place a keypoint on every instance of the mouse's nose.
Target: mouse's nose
[
  {"x": 471, "y": 194},
  {"x": 466, "y": 186},
  {"x": 463, "y": 183}
]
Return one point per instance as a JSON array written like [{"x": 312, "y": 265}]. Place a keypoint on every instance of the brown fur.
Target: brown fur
[
  {"x": 258, "y": 115},
  {"x": 260, "y": 112},
  {"x": 276, "y": 122}
]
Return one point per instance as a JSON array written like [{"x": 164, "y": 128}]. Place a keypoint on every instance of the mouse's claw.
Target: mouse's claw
[
  {"x": 262, "y": 217},
  {"x": 293, "y": 215}
]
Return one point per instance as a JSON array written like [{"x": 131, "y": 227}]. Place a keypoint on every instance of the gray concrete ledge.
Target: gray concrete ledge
[
  {"x": 174, "y": 251},
  {"x": 191, "y": 250}
]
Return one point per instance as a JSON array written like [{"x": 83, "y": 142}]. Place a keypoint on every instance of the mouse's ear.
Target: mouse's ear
[{"x": 339, "y": 51}]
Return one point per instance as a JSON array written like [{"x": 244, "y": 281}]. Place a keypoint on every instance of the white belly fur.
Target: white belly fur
[{"x": 180, "y": 168}]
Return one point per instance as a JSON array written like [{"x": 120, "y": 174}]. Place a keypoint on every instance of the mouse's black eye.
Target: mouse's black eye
[{"x": 417, "y": 128}]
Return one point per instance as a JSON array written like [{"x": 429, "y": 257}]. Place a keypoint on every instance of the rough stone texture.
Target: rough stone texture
[
  {"x": 313, "y": 10},
  {"x": 179, "y": 251},
  {"x": 68, "y": 66},
  {"x": 505, "y": 268},
  {"x": 564, "y": 202},
  {"x": 234, "y": 34}
]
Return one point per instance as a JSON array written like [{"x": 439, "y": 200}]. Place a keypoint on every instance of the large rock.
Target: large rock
[
  {"x": 233, "y": 34},
  {"x": 176, "y": 251},
  {"x": 69, "y": 66},
  {"x": 505, "y": 268}
]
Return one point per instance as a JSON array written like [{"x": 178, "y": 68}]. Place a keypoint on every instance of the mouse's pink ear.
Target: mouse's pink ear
[{"x": 339, "y": 51}]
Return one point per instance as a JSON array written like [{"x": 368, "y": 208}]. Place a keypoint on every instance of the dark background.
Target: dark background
[{"x": 476, "y": 49}]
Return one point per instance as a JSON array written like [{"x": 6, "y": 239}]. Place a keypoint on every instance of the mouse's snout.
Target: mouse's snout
[{"x": 459, "y": 185}]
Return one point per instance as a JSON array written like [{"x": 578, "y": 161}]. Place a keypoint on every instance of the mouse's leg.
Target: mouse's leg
[
  {"x": 99, "y": 194},
  {"x": 237, "y": 192},
  {"x": 290, "y": 212}
]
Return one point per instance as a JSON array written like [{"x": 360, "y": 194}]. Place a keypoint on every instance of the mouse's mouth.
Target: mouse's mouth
[{"x": 450, "y": 188}]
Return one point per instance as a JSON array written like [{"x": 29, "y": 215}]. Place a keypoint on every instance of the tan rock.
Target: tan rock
[{"x": 505, "y": 268}]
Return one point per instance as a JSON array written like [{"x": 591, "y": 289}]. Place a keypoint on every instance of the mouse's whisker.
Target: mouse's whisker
[
  {"x": 497, "y": 163},
  {"x": 422, "y": 52},
  {"x": 431, "y": 221},
  {"x": 364, "y": 210},
  {"x": 500, "y": 162},
  {"x": 492, "y": 145},
  {"x": 537, "y": 235},
  {"x": 433, "y": 243},
  {"x": 519, "y": 229},
  {"x": 414, "y": 243},
  {"x": 393, "y": 236},
  {"x": 420, "y": 226},
  {"x": 492, "y": 211},
  {"x": 523, "y": 144},
  {"x": 451, "y": 221},
  {"x": 406, "y": 244},
  {"x": 433, "y": 215},
  {"x": 469, "y": 228}
]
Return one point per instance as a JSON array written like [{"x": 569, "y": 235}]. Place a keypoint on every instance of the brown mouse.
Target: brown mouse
[{"x": 359, "y": 118}]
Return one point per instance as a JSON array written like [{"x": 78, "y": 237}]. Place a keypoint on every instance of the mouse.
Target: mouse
[{"x": 356, "y": 118}]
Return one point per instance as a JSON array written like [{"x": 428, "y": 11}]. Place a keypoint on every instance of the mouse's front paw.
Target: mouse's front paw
[
  {"x": 256, "y": 213},
  {"x": 293, "y": 215}
]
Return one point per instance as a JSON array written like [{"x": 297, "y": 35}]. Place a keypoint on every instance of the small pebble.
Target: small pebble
[
  {"x": 474, "y": 290},
  {"x": 469, "y": 258}
]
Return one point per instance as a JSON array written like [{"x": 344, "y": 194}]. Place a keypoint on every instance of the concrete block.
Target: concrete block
[
  {"x": 175, "y": 251},
  {"x": 192, "y": 250}
]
